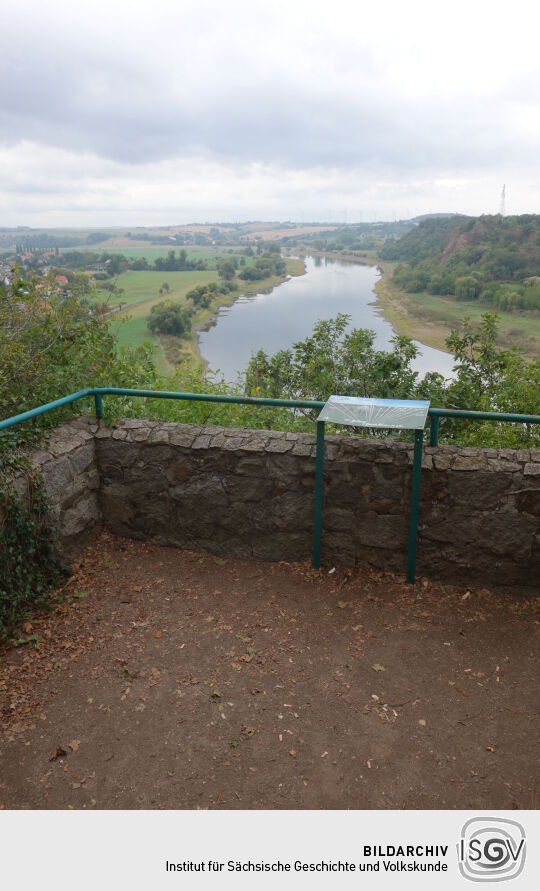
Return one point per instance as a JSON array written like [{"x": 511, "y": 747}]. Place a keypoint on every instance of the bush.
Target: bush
[
  {"x": 169, "y": 318},
  {"x": 29, "y": 564},
  {"x": 49, "y": 347},
  {"x": 467, "y": 287}
]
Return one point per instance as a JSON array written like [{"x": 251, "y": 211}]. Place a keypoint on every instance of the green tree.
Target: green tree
[
  {"x": 51, "y": 345},
  {"x": 169, "y": 318},
  {"x": 467, "y": 287},
  {"x": 334, "y": 360},
  {"x": 227, "y": 268}
]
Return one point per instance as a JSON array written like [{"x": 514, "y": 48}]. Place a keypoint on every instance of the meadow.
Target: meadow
[
  {"x": 141, "y": 292},
  {"x": 152, "y": 252},
  {"x": 143, "y": 287},
  {"x": 430, "y": 318}
]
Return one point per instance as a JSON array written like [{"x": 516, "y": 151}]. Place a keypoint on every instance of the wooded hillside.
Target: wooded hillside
[{"x": 492, "y": 259}]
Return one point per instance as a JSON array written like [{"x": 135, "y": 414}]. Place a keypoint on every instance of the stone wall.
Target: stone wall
[
  {"x": 71, "y": 477},
  {"x": 250, "y": 493}
]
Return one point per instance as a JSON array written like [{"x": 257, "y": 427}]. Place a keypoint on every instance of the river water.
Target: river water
[{"x": 275, "y": 321}]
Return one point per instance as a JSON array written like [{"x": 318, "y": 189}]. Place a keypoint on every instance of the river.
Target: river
[{"x": 287, "y": 314}]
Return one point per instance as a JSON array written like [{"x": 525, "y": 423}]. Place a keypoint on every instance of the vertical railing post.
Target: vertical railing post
[
  {"x": 98, "y": 401},
  {"x": 319, "y": 468},
  {"x": 434, "y": 430},
  {"x": 415, "y": 505}
]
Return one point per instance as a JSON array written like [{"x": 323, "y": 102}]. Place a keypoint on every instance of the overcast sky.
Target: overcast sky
[{"x": 160, "y": 112}]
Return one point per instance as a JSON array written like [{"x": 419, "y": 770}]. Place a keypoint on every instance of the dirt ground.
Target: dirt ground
[{"x": 170, "y": 679}]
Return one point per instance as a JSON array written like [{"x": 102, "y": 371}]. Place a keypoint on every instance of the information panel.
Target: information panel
[{"x": 403, "y": 414}]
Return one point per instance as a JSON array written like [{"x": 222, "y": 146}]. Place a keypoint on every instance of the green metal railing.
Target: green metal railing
[{"x": 434, "y": 414}]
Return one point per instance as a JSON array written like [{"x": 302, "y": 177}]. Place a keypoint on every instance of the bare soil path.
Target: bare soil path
[{"x": 170, "y": 679}]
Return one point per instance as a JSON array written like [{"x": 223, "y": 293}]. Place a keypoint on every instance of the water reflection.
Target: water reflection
[{"x": 277, "y": 320}]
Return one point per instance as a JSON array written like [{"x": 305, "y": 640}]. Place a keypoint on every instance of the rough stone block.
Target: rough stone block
[
  {"x": 159, "y": 436},
  {"x": 465, "y": 462},
  {"x": 134, "y": 424},
  {"x": 481, "y": 491},
  {"x": 529, "y": 502},
  {"x": 201, "y": 442},
  {"x": 302, "y": 449},
  {"x": 81, "y": 517},
  {"x": 442, "y": 461},
  {"x": 81, "y": 458},
  {"x": 39, "y": 458},
  {"x": 279, "y": 445},
  {"x": 57, "y": 475},
  {"x": 59, "y": 447}
]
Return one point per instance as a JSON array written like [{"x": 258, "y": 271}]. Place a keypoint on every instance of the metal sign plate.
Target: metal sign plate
[{"x": 403, "y": 414}]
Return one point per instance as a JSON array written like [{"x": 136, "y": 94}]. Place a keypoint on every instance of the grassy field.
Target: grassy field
[
  {"x": 430, "y": 318},
  {"x": 143, "y": 287},
  {"x": 141, "y": 293},
  {"x": 134, "y": 333},
  {"x": 152, "y": 252}
]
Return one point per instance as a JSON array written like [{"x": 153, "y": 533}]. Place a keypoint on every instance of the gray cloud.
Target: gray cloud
[{"x": 391, "y": 95}]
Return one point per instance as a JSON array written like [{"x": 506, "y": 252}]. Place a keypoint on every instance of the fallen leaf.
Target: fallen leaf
[
  {"x": 422, "y": 722},
  {"x": 292, "y": 753},
  {"x": 378, "y": 667},
  {"x": 158, "y": 634},
  {"x": 74, "y": 745},
  {"x": 58, "y": 752}
]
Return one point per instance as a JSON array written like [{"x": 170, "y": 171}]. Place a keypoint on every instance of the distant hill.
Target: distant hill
[{"x": 491, "y": 259}]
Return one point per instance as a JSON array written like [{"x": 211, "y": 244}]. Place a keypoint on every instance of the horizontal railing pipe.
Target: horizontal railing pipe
[
  {"x": 210, "y": 397},
  {"x": 508, "y": 417},
  {"x": 43, "y": 409},
  {"x": 464, "y": 415}
]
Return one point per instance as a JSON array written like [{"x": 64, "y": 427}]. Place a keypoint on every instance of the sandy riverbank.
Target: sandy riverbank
[{"x": 405, "y": 316}]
